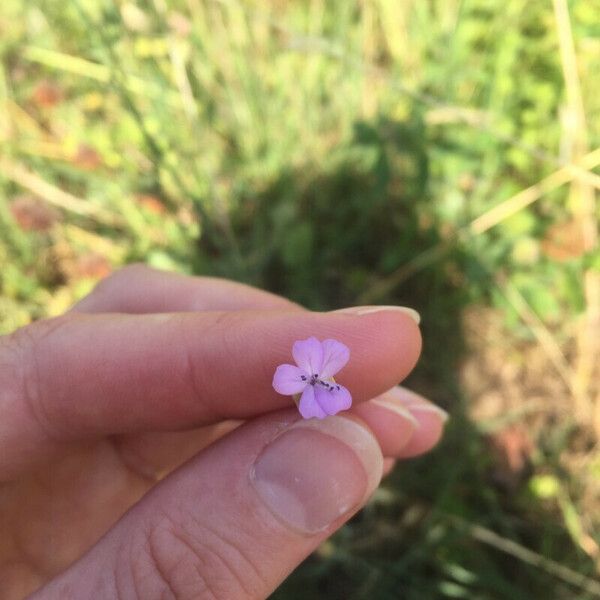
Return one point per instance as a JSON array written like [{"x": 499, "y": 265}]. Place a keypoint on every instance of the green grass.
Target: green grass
[{"x": 335, "y": 153}]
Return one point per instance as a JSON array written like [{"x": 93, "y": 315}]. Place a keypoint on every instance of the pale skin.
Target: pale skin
[{"x": 135, "y": 428}]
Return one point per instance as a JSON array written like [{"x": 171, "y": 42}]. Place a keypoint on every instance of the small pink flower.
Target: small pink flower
[{"x": 317, "y": 362}]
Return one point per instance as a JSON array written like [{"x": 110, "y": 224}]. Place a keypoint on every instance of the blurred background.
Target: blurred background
[{"x": 442, "y": 154}]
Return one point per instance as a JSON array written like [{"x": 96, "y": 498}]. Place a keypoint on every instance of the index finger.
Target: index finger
[
  {"x": 91, "y": 375},
  {"x": 141, "y": 289}
]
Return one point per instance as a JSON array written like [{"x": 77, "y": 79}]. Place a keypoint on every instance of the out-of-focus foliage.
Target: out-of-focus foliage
[{"x": 336, "y": 153}]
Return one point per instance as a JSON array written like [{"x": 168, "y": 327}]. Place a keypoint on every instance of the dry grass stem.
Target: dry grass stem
[
  {"x": 54, "y": 195},
  {"x": 584, "y": 212}
]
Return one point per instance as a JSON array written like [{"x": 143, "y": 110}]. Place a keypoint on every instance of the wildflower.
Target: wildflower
[{"x": 317, "y": 362}]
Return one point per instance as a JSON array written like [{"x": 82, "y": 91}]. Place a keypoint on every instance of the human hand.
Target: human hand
[{"x": 155, "y": 371}]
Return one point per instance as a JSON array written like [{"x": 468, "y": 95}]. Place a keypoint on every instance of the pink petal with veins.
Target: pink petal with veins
[
  {"x": 308, "y": 355},
  {"x": 335, "y": 357},
  {"x": 308, "y": 406},
  {"x": 334, "y": 400},
  {"x": 288, "y": 380}
]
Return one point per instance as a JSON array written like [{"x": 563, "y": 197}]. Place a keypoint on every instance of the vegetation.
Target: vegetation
[{"x": 440, "y": 154}]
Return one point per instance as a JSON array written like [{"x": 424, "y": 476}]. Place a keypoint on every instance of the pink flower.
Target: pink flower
[{"x": 317, "y": 362}]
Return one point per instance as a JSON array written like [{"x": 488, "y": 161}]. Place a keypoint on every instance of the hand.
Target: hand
[{"x": 144, "y": 453}]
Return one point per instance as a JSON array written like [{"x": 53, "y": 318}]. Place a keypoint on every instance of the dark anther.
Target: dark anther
[{"x": 303, "y": 377}]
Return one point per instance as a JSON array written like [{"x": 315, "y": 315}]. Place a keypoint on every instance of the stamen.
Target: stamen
[{"x": 329, "y": 386}]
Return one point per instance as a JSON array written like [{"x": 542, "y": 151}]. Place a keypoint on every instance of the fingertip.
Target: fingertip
[
  {"x": 388, "y": 466},
  {"x": 429, "y": 433},
  {"x": 355, "y": 436},
  {"x": 393, "y": 425},
  {"x": 384, "y": 348},
  {"x": 430, "y": 418}
]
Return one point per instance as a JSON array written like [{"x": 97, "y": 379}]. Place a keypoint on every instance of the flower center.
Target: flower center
[{"x": 314, "y": 380}]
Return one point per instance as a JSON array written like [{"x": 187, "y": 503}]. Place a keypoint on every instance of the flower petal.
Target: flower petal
[
  {"x": 308, "y": 406},
  {"x": 288, "y": 380},
  {"x": 308, "y": 355},
  {"x": 335, "y": 357},
  {"x": 333, "y": 400}
]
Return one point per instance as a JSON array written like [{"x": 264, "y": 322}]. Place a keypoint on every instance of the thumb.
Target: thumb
[{"x": 237, "y": 519}]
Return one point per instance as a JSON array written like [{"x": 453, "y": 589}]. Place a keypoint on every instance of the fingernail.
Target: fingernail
[
  {"x": 393, "y": 425},
  {"x": 431, "y": 420},
  {"x": 369, "y": 310},
  {"x": 415, "y": 404},
  {"x": 399, "y": 409},
  {"x": 317, "y": 471},
  {"x": 432, "y": 408}
]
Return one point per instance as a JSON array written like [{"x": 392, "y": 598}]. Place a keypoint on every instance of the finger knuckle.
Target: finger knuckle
[
  {"x": 20, "y": 371},
  {"x": 189, "y": 561},
  {"x": 116, "y": 278},
  {"x": 198, "y": 370},
  {"x": 11, "y": 364}
]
